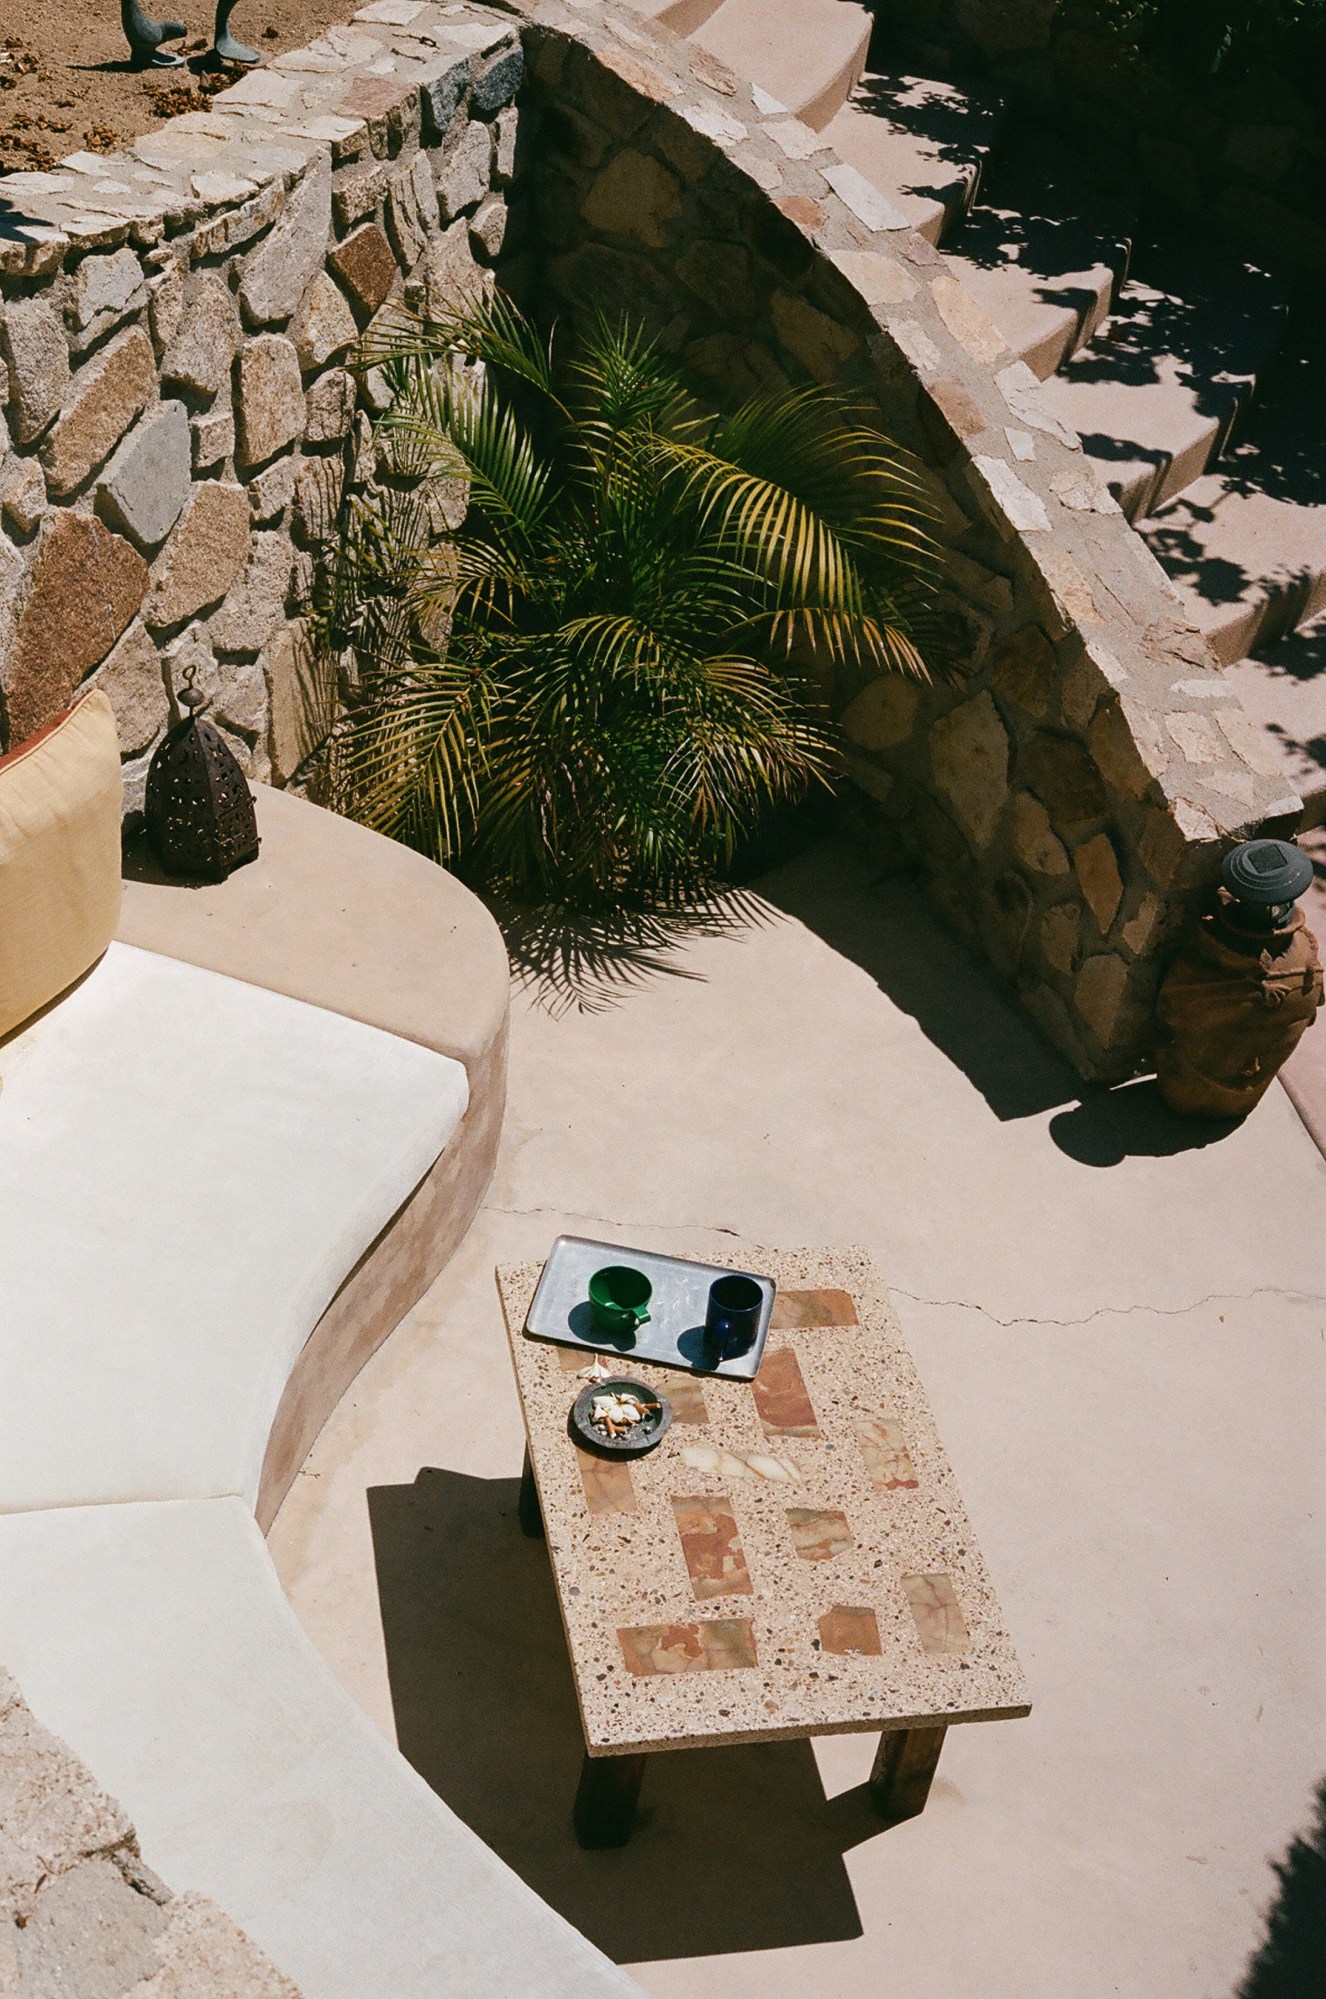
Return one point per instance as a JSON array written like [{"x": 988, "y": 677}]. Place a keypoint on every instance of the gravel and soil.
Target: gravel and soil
[{"x": 65, "y": 84}]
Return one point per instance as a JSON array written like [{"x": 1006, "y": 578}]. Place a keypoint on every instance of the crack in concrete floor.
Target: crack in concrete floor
[{"x": 1289, "y": 1293}]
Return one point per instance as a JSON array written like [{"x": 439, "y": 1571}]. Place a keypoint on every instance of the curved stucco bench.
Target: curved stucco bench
[
  {"x": 359, "y": 927},
  {"x": 157, "y": 1641},
  {"x": 231, "y": 1158}
]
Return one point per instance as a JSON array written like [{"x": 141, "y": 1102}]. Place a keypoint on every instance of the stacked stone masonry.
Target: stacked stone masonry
[
  {"x": 80, "y": 1911},
  {"x": 1073, "y": 775},
  {"x": 184, "y": 427},
  {"x": 180, "y": 429}
]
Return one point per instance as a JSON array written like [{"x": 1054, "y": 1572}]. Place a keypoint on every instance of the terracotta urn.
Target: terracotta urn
[{"x": 1242, "y": 993}]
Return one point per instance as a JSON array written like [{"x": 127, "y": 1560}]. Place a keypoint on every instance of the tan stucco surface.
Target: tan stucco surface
[{"x": 1119, "y": 1323}]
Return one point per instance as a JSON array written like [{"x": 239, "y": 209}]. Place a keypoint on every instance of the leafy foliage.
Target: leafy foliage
[
  {"x": 1218, "y": 37},
  {"x": 591, "y": 689}
]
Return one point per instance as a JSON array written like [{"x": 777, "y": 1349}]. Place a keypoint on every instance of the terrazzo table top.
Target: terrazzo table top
[{"x": 793, "y": 1559}]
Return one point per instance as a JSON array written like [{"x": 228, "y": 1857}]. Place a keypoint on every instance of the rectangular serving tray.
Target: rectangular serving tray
[{"x": 673, "y": 1335}]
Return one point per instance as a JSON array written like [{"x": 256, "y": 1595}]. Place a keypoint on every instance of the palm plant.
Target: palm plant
[{"x": 590, "y": 690}]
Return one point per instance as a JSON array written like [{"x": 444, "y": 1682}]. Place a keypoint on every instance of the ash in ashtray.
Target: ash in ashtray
[{"x": 616, "y": 1415}]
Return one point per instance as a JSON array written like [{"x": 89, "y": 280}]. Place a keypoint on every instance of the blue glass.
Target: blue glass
[{"x": 733, "y": 1317}]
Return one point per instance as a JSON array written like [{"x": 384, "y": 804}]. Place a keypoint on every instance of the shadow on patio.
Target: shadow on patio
[
  {"x": 734, "y": 1849},
  {"x": 1291, "y": 1964},
  {"x": 885, "y": 926}
]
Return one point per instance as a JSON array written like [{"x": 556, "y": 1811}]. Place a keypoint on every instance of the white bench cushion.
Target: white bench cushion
[
  {"x": 189, "y": 1168},
  {"x": 156, "y": 1640}
]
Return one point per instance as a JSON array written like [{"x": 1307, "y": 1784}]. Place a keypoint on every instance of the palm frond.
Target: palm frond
[
  {"x": 492, "y": 330},
  {"x": 594, "y": 688}
]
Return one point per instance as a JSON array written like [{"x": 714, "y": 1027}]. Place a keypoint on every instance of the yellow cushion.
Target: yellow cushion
[{"x": 60, "y": 803}]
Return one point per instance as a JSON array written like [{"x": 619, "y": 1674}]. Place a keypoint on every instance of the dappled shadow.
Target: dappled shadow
[
  {"x": 1193, "y": 325},
  {"x": 1040, "y": 210},
  {"x": 1291, "y": 1963},
  {"x": 566, "y": 959},
  {"x": 1298, "y": 661},
  {"x": 1278, "y": 452},
  {"x": 1301, "y": 656},
  {"x": 735, "y": 1849},
  {"x": 1280, "y": 448},
  {"x": 883, "y": 924},
  {"x": 953, "y": 127},
  {"x": 1191, "y": 313}
]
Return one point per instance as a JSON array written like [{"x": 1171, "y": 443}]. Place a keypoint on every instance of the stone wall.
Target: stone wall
[
  {"x": 180, "y": 430},
  {"x": 1072, "y": 790},
  {"x": 80, "y": 1912},
  {"x": 183, "y": 429},
  {"x": 1245, "y": 152}
]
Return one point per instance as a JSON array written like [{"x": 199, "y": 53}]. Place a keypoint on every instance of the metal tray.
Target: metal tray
[{"x": 674, "y": 1333}]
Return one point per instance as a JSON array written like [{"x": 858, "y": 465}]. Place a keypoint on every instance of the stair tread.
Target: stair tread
[
  {"x": 1247, "y": 544},
  {"x": 1153, "y": 399},
  {"x": 1283, "y": 693},
  {"x": 1041, "y": 314},
  {"x": 921, "y": 142},
  {"x": 1244, "y": 559},
  {"x": 808, "y": 57}
]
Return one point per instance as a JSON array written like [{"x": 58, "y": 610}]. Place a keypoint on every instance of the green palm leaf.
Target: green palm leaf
[{"x": 594, "y": 688}]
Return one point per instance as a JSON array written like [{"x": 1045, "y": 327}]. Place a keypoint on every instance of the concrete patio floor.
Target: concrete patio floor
[{"x": 1121, "y": 1321}]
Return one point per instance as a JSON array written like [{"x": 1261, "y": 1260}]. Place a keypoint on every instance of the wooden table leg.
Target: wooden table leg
[
  {"x": 606, "y": 1799},
  {"x": 904, "y": 1764},
  {"x": 528, "y": 1508}
]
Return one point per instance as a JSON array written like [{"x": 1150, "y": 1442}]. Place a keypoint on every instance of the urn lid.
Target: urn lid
[{"x": 1266, "y": 871}]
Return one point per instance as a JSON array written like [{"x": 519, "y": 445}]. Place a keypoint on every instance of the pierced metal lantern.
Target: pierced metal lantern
[
  {"x": 198, "y": 806},
  {"x": 1264, "y": 879}
]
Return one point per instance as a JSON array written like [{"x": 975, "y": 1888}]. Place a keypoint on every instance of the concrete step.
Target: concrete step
[
  {"x": 923, "y": 144},
  {"x": 1155, "y": 397},
  {"x": 1283, "y": 691},
  {"x": 1044, "y": 316},
  {"x": 1247, "y": 544},
  {"x": 1046, "y": 249},
  {"x": 808, "y": 55},
  {"x": 1251, "y": 565}
]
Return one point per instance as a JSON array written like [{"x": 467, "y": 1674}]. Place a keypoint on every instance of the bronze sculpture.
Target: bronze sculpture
[
  {"x": 145, "y": 37},
  {"x": 224, "y": 45}
]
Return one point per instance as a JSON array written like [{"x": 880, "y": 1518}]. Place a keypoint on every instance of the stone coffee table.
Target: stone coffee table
[{"x": 793, "y": 1559}]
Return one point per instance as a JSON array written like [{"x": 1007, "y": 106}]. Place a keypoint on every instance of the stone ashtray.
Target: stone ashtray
[{"x": 631, "y": 1442}]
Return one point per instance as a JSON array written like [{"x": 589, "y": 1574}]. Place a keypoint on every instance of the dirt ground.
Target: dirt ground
[{"x": 65, "y": 84}]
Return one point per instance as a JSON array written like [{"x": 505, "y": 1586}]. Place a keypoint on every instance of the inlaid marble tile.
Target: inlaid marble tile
[
  {"x": 715, "y": 1460},
  {"x": 939, "y": 1622},
  {"x": 608, "y": 1485},
  {"x": 819, "y": 1533},
  {"x": 687, "y": 1399},
  {"x": 884, "y": 1449},
  {"x": 719, "y": 1644},
  {"x": 848, "y": 1628},
  {"x": 813, "y": 1308},
  {"x": 781, "y": 1398},
  {"x": 810, "y": 1532},
  {"x": 712, "y": 1547}
]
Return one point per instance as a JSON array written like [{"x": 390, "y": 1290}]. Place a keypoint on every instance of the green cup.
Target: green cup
[{"x": 619, "y": 1298}]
